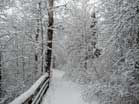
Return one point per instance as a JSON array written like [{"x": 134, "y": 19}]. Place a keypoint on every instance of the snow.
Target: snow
[
  {"x": 62, "y": 91},
  {"x": 31, "y": 91}
]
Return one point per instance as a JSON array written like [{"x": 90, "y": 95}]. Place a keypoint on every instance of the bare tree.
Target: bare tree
[
  {"x": 48, "y": 54},
  {"x": 36, "y": 39},
  {"x": 42, "y": 37},
  {"x": 0, "y": 73}
]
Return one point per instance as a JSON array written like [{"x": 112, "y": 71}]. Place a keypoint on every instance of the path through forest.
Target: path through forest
[{"x": 62, "y": 91}]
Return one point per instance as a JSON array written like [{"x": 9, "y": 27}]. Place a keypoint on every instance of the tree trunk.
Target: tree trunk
[
  {"x": 42, "y": 38},
  {"x": 48, "y": 54},
  {"x": 0, "y": 74},
  {"x": 54, "y": 62},
  {"x": 36, "y": 53},
  {"x": 23, "y": 58},
  {"x": 23, "y": 64}
]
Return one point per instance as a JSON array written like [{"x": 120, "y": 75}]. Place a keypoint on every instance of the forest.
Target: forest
[{"x": 90, "y": 46}]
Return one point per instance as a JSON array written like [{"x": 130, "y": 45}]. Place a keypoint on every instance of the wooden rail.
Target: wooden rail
[{"x": 35, "y": 94}]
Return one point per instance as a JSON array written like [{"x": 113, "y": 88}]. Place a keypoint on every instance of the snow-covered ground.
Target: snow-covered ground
[{"x": 62, "y": 91}]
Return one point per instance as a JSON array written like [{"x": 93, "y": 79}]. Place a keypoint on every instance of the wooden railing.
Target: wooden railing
[{"x": 35, "y": 94}]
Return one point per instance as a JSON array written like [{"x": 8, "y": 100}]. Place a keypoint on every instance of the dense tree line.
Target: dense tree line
[
  {"x": 113, "y": 75},
  {"x": 95, "y": 42},
  {"x": 23, "y": 44}
]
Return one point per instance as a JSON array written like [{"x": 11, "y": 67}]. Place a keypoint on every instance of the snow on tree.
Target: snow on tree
[
  {"x": 95, "y": 42},
  {"x": 82, "y": 40},
  {"x": 120, "y": 83}
]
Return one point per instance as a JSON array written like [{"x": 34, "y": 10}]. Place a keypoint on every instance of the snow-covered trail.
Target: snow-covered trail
[{"x": 62, "y": 91}]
